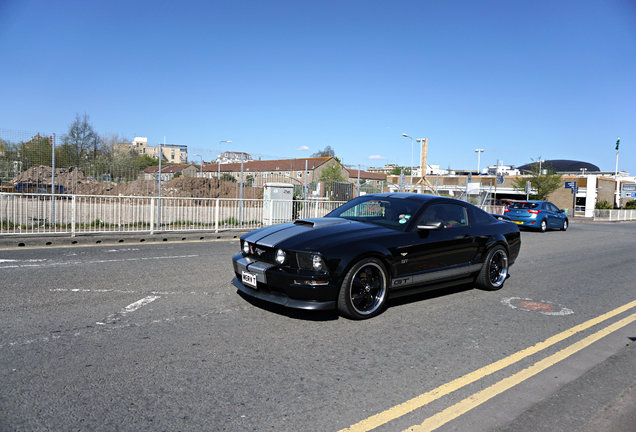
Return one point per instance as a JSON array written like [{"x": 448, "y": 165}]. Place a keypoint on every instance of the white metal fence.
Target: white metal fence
[
  {"x": 614, "y": 215},
  {"x": 83, "y": 214},
  {"x": 25, "y": 214}
]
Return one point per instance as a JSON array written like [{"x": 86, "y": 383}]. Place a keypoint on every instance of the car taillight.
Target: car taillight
[
  {"x": 506, "y": 210},
  {"x": 534, "y": 211}
]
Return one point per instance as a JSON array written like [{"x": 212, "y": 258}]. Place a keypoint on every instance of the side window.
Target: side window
[
  {"x": 480, "y": 217},
  {"x": 450, "y": 215}
]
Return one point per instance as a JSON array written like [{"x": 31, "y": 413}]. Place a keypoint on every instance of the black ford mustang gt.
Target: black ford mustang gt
[{"x": 375, "y": 247}]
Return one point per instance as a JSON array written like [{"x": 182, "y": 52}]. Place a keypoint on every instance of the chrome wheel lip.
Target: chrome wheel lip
[
  {"x": 378, "y": 297},
  {"x": 498, "y": 268}
]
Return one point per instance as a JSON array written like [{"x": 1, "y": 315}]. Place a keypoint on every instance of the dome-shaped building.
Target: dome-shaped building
[{"x": 562, "y": 166}]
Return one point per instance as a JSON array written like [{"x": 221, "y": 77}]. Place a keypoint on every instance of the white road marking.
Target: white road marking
[
  {"x": 119, "y": 291},
  {"x": 93, "y": 330},
  {"x": 67, "y": 263},
  {"x": 122, "y": 250},
  {"x": 111, "y": 319}
]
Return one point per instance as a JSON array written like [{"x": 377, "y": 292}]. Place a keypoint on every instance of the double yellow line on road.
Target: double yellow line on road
[{"x": 471, "y": 402}]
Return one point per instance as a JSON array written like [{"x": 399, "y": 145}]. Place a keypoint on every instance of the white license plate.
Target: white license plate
[{"x": 248, "y": 279}]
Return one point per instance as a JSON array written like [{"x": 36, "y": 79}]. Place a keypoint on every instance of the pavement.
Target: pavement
[{"x": 56, "y": 240}]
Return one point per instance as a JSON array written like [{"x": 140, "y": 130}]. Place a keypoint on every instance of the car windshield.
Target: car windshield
[
  {"x": 389, "y": 212},
  {"x": 524, "y": 205}
]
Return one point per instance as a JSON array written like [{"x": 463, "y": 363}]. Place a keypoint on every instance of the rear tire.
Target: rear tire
[
  {"x": 544, "y": 226},
  {"x": 364, "y": 290},
  {"x": 494, "y": 272}
]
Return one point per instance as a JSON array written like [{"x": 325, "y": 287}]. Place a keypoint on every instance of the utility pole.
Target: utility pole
[
  {"x": 618, "y": 141},
  {"x": 159, "y": 200},
  {"x": 241, "y": 193},
  {"x": 52, "y": 180}
]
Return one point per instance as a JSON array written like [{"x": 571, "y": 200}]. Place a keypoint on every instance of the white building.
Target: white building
[{"x": 233, "y": 157}]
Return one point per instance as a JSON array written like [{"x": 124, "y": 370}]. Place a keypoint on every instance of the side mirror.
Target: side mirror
[
  {"x": 560, "y": 211},
  {"x": 431, "y": 226}
]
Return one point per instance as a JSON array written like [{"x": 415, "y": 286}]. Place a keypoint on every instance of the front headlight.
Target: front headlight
[
  {"x": 246, "y": 248},
  {"x": 317, "y": 263},
  {"x": 280, "y": 256}
]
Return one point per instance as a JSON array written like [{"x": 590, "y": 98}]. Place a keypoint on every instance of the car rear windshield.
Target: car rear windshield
[{"x": 524, "y": 205}]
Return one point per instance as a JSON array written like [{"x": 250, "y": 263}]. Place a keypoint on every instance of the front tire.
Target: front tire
[
  {"x": 364, "y": 290},
  {"x": 565, "y": 225},
  {"x": 494, "y": 272}
]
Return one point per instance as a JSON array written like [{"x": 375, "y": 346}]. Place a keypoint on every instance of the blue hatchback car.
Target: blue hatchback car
[{"x": 540, "y": 215}]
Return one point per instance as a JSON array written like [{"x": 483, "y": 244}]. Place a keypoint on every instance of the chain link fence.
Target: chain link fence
[{"x": 39, "y": 162}]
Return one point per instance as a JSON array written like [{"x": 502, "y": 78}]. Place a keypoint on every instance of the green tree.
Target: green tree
[
  {"x": 399, "y": 170},
  {"x": 141, "y": 162},
  {"x": 228, "y": 177},
  {"x": 330, "y": 175},
  {"x": 543, "y": 184},
  {"x": 37, "y": 151}
]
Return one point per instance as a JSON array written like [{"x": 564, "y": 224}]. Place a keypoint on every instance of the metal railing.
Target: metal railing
[
  {"x": 614, "y": 215},
  {"x": 26, "y": 214}
]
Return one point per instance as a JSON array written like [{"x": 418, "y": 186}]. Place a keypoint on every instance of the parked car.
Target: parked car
[
  {"x": 539, "y": 215},
  {"x": 373, "y": 248},
  {"x": 499, "y": 202}
]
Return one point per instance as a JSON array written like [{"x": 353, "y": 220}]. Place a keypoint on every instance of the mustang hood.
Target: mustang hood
[{"x": 312, "y": 234}]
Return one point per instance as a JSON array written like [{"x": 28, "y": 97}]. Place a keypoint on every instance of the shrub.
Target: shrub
[
  {"x": 603, "y": 205},
  {"x": 630, "y": 204}
]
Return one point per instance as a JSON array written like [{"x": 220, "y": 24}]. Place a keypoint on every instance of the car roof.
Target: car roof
[{"x": 413, "y": 196}]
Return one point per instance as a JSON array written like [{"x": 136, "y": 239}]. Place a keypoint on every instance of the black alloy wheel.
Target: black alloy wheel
[
  {"x": 364, "y": 290},
  {"x": 494, "y": 272}
]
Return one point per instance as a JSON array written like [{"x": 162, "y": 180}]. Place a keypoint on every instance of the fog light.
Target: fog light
[{"x": 280, "y": 256}]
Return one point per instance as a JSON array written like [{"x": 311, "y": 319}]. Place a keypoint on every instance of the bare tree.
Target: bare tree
[
  {"x": 81, "y": 142},
  {"x": 328, "y": 151}
]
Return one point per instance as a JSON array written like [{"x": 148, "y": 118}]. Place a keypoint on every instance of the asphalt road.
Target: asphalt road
[{"x": 154, "y": 337}]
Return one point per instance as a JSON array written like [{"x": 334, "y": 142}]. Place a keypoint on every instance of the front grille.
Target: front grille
[{"x": 262, "y": 253}]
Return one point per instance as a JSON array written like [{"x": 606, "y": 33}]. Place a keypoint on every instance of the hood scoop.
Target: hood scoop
[{"x": 320, "y": 222}]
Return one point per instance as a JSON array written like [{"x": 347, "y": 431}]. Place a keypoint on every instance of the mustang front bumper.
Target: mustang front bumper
[{"x": 294, "y": 289}]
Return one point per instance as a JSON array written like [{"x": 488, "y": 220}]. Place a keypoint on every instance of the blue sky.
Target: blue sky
[{"x": 520, "y": 79}]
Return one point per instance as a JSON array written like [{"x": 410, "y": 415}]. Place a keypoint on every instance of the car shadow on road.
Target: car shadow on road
[
  {"x": 331, "y": 315},
  {"x": 428, "y": 295},
  {"x": 299, "y": 314}
]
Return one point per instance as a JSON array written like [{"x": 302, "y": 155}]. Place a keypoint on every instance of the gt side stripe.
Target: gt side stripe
[{"x": 432, "y": 395}]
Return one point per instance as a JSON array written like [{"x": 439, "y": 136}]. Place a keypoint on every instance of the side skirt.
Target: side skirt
[{"x": 395, "y": 293}]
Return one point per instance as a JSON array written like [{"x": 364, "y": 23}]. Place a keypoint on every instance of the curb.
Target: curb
[{"x": 54, "y": 240}]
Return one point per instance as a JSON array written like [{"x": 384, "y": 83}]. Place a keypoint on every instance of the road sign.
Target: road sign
[
  {"x": 628, "y": 190},
  {"x": 574, "y": 190},
  {"x": 570, "y": 184}
]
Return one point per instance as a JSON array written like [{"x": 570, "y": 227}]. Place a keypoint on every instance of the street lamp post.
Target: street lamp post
[
  {"x": 407, "y": 136},
  {"x": 201, "y": 169},
  {"x": 218, "y": 163},
  {"x": 479, "y": 151}
]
